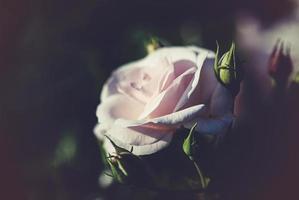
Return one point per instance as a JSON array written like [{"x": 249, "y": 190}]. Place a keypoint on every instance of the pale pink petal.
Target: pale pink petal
[
  {"x": 202, "y": 92},
  {"x": 110, "y": 87},
  {"x": 131, "y": 83},
  {"x": 193, "y": 85},
  {"x": 140, "y": 80},
  {"x": 143, "y": 140},
  {"x": 220, "y": 113},
  {"x": 118, "y": 106},
  {"x": 100, "y": 130},
  {"x": 199, "y": 50},
  {"x": 173, "y": 54},
  {"x": 167, "y": 121},
  {"x": 151, "y": 77},
  {"x": 166, "y": 79},
  {"x": 153, "y": 60},
  {"x": 166, "y": 101}
]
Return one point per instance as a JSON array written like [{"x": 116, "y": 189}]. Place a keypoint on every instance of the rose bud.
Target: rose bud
[
  {"x": 118, "y": 172},
  {"x": 189, "y": 145},
  {"x": 280, "y": 65},
  {"x": 116, "y": 164},
  {"x": 190, "y": 148},
  {"x": 227, "y": 71},
  {"x": 144, "y": 102},
  {"x": 127, "y": 167}
]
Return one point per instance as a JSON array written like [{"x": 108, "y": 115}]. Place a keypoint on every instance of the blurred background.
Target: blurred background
[{"x": 54, "y": 58}]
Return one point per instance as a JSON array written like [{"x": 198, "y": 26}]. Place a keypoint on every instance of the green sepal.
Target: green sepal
[
  {"x": 119, "y": 150},
  {"x": 216, "y": 61},
  {"x": 129, "y": 168},
  {"x": 103, "y": 154},
  {"x": 117, "y": 170}
]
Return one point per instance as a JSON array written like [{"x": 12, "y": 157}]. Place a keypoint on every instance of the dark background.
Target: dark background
[{"x": 54, "y": 57}]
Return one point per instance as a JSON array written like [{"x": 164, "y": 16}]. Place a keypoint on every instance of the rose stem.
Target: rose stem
[{"x": 199, "y": 174}]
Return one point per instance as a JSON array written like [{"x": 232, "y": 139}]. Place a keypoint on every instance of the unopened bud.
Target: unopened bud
[
  {"x": 127, "y": 167},
  {"x": 227, "y": 71},
  {"x": 118, "y": 171},
  {"x": 189, "y": 144},
  {"x": 280, "y": 64}
]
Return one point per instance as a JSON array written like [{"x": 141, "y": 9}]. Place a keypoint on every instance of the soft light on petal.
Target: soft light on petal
[
  {"x": 171, "y": 120},
  {"x": 143, "y": 140},
  {"x": 166, "y": 101},
  {"x": 193, "y": 86},
  {"x": 118, "y": 106},
  {"x": 212, "y": 126}
]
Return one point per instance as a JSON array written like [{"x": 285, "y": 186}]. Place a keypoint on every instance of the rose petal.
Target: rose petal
[
  {"x": 166, "y": 101},
  {"x": 222, "y": 102},
  {"x": 213, "y": 126},
  {"x": 199, "y": 50},
  {"x": 171, "y": 120},
  {"x": 110, "y": 87},
  {"x": 206, "y": 85},
  {"x": 100, "y": 130},
  {"x": 143, "y": 82},
  {"x": 220, "y": 113},
  {"x": 118, "y": 106},
  {"x": 154, "y": 60},
  {"x": 201, "y": 57},
  {"x": 173, "y": 54},
  {"x": 143, "y": 140}
]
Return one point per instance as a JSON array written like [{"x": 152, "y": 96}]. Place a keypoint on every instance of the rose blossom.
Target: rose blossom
[{"x": 144, "y": 102}]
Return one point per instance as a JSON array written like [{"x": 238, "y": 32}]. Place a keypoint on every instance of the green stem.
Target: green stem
[{"x": 202, "y": 180}]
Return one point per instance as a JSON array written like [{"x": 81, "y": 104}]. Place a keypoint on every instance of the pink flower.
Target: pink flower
[{"x": 144, "y": 102}]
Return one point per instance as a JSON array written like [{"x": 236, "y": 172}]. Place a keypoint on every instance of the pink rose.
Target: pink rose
[{"x": 144, "y": 102}]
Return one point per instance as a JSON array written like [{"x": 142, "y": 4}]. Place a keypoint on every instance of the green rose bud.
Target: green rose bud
[
  {"x": 227, "y": 71},
  {"x": 128, "y": 168},
  {"x": 189, "y": 143},
  {"x": 118, "y": 171},
  {"x": 116, "y": 163},
  {"x": 190, "y": 148}
]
